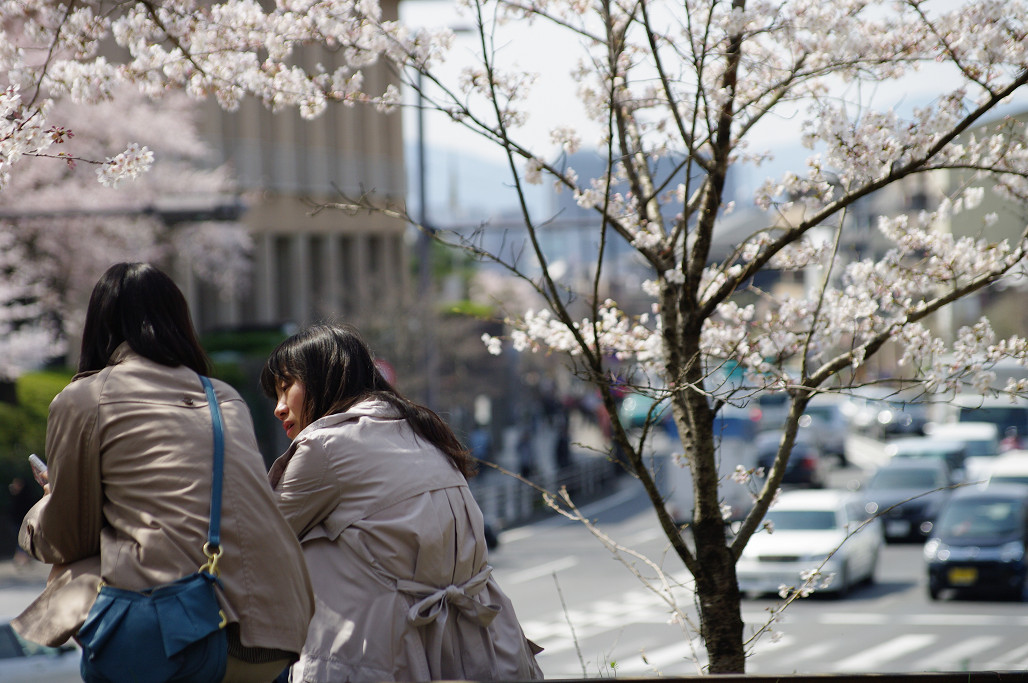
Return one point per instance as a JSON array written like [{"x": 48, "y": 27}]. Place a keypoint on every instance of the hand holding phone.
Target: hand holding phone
[{"x": 39, "y": 470}]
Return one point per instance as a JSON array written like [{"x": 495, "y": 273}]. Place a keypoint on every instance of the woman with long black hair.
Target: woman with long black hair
[
  {"x": 129, "y": 450},
  {"x": 375, "y": 487}
]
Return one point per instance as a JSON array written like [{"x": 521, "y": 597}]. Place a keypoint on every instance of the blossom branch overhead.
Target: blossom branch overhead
[{"x": 679, "y": 98}]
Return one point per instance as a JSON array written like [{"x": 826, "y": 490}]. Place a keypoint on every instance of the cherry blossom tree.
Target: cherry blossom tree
[
  {"x": 27, "y": 334},
  {"x": 64, "y": 229},
  {"x": 677, "y": 94}
]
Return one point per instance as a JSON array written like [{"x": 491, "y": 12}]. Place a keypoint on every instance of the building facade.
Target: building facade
[{"x": 311, "y": 265}]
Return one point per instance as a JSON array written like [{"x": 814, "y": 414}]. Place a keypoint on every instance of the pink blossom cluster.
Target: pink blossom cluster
[{"x": 677, "y": 92}]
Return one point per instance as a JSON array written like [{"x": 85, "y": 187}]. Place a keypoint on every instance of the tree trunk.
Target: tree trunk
[
  {"x": 717, "y": 591},
  {"x": 713, "y": 570}
]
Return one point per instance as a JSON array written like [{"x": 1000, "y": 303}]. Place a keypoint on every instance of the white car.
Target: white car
[
  {"x": 25, "y": 662},
  {"x": 826, "y": 530},
  {"x": 1009, "y": 468},
  {"x": 828, "y": 421},
  {"x": 981, "y": 445}
]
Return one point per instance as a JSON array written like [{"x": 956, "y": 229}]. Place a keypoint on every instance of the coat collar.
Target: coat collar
[
  {"x": 122, "y": 353},
  {"x": 374, "y": 407}
]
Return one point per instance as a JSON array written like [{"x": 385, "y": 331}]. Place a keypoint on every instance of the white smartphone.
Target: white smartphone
[{"x": 38, "y": 468}]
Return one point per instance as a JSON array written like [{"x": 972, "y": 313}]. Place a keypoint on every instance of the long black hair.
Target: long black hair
[
  {"x": 337, "y": 370},
  {"x": 139, "y": 304}
]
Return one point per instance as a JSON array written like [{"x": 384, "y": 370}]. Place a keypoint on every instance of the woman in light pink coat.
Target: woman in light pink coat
[{"x": 375, "y": 488}]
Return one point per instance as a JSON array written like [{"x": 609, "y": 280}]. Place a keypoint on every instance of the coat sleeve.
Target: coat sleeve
[
  {"x": 65, "y": 526},
  {"x": 307, "y": 491}
]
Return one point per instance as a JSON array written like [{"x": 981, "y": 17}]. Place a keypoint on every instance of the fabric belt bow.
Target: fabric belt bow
[{"x": 433, "y": 602}]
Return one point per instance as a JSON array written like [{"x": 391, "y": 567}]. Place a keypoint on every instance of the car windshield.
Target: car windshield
[
  {"x": 979, "y": 518},
  {"x": 825, "y": 413},
  {"x": 801, "y": 520},
  {"x": 980, "y": 447},
  {"x": 927, "y": 451},
  {"x": 1000, "y": 416},
  {"x": 1009, "y": 479},
  {"x": 906, "y": 479}
]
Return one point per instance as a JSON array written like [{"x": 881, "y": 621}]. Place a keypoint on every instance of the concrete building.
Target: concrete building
[{"x": 309, "y": 266}]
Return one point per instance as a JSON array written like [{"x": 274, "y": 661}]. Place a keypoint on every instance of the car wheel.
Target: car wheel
[
  {"x": 870, "y": 578},
  {"x": 1017, "y": 594},
  {"x": 844, "y": 581},
  {"x": 933, "y": 591}
]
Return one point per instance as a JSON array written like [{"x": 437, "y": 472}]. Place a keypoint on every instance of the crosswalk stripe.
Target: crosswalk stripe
[
  {"x": 766, "y": 643},
  {"x": 893, "y": 649},
  {"x": 855, "y": 618},
  {"x": 644, "y": 607},
  {"x": 1015, "y": 659},
  {"x": 689, "y": 653},
  {"x": 950, "y": 658},
  {"x": 533, "y": 573}
]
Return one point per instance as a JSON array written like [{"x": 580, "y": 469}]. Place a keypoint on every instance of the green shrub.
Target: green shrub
[{"x": 23, "y": 425}]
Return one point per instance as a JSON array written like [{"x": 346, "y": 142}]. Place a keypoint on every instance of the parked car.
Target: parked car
[
  {"x": 981, "y": 445},
  {"x": 862, "y": 406},
  {"x": 1009, "y": 468},
  {"x": 636, "y": 409},
  {"x": 948, "y": 451},
  {"x": 907, "y": 494},
  {"x": 771, "y": 409},
  {"x": 901, "y": 418},
  {"x": 806, "y": 527},
  {"x": 998, "y": 410},
  {"x": 827, "y": 421},
  {"x": 22, "y": 661},
  {"x": 734, "y": 432},
  {"x": 979, "y": 542},
  {"x": 806, "y": 465}
]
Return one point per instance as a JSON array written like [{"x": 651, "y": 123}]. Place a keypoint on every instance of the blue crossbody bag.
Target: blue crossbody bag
[{"x": 174, "y": 632}]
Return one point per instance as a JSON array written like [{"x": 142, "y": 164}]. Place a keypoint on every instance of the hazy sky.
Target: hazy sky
[{"x": 553, "y": 101}]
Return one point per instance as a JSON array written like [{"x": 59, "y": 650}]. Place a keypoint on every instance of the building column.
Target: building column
[
  {"x": 264, "y": 281},
  {"x": 332, "y": 285},
  {"x": 299, "y": 269},
  {"x": 359, "y": 258}
]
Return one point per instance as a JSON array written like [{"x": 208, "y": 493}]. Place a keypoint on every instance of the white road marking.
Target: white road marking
[
  {"x": 539, "y": 571},
  {"x": 888, "y": 651},
  {"x": 691, "y": 654},
  {"x": 1015, "y": 659},
  {"x": 950, "y": 658},
  {"x": 862, "y": 618}
]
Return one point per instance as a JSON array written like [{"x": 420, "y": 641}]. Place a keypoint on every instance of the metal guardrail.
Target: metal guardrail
[{"x": 507, "y": 501}]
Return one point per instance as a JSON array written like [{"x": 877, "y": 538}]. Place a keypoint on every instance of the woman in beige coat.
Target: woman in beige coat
[
  {"x": 375, "y": 488},
  {"x": 129, "y": 449}
]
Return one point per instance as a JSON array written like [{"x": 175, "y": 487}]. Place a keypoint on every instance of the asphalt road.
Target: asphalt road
[
  {"x": 588, "y": 607},
  {"x": 595, "y": 617}
]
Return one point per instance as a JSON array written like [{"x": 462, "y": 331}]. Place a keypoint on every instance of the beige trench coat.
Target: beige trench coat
[
  {"x": 130, "y": 451},
  {"x": 395, "y": 546}
]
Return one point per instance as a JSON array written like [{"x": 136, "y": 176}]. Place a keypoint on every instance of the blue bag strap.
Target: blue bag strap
[{"x": 213, "y": 548}]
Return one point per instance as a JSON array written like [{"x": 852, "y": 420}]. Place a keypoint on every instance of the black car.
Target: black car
[
  {"x": 806, "y": 464},
  {"x": 978, "y": 544},
  {"x": 907, "y": 494}
]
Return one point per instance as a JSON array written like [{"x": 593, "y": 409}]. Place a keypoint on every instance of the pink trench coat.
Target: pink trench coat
[
  {"x": 130, "y": 450},
  {"x": 395, "y": 547}
]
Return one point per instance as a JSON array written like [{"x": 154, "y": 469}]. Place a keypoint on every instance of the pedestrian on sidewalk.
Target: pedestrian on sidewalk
[{"x": 375, "y": 487}]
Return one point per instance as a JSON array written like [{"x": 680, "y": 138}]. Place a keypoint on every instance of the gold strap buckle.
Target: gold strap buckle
[{"x": 213, "y": 555}]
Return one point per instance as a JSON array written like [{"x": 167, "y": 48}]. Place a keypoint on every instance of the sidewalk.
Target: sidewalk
[
  {"x": 507, "y": 501},
  {"x": 19, "y": 586},
  {"x": 29, "y": 574}
]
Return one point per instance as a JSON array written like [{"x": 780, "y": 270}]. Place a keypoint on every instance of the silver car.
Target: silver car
[{"x": 825, "y": 531}]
